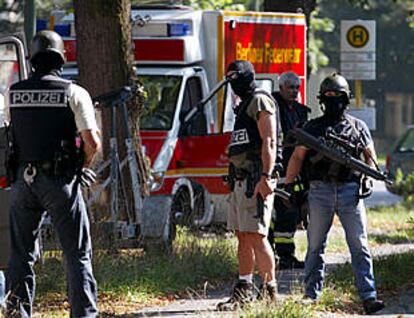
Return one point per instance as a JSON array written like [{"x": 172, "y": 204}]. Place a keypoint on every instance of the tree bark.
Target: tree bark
[{"x": 105, "y": 62}]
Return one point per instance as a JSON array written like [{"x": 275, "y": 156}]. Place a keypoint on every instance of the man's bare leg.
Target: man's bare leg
[
  {"x": 245, "y": 254},
  {"x": 264, "y": 256}
]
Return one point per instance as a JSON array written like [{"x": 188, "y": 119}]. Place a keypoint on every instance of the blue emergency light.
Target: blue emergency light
[
  {"x": 41, "y": 24},
  {"x": 61, "y": 29},
  {"x": 179, "y": 29}
]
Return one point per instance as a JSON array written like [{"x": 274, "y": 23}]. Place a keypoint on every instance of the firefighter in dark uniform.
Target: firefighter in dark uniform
[
  {"x": 48, "y": 162},
  {"x": 252, "y": 155},
  {"x": 283, "y": 227},
  {"x": 334, "y": 188}
]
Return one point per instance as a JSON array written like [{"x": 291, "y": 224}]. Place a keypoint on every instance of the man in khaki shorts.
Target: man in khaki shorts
[{"x": 252, "y": 154}]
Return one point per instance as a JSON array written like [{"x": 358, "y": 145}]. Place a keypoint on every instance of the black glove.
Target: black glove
[
  {"x": 296, "y": 195},
  {"x": 87, "y": 177}
]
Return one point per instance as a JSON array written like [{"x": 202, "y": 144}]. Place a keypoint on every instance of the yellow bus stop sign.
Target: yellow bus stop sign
[{"x": 357, "y": 36}]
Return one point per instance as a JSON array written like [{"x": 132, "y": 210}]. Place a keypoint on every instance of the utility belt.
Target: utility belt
[
  {"x": 62, "y": 166},
  {"x": 234, "y": 175},
  {"x": 252, "y": 177},
  {"x": 52, "y": 168},
  {"x": 330, "y": 179}
]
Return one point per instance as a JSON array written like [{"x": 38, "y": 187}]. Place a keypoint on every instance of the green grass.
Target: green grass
[
  {"x": 131, "y": 279},
  {"x": 393, "y": 274},
  {"x": 387, "y": 225},
  {"x": 391, "y": 224}
]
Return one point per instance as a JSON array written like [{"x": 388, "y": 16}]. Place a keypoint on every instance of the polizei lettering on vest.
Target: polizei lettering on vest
[
  {"x": 35, "y": 98},
  {"x": 239, "y": 137}
]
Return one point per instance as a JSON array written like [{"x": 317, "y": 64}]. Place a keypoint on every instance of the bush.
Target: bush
[{"x": 404, "y": 186}]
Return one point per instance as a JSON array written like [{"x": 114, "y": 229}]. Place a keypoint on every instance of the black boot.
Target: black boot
[
  {"x": 372, "y": 305},
  {"x": 290, "y": 262},
  {"x": 243, "y": 293},
  {"x": 268, "y": 292}
]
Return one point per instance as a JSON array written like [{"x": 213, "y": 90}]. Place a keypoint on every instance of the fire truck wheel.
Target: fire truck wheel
[
  {"x": 182, "y": 212},
  {"x": 181, "y": 207},
  {"x": 169, "y": 237}
]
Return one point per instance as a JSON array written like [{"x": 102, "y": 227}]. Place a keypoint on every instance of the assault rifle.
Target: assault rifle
[{"x": 345, "y": 159}]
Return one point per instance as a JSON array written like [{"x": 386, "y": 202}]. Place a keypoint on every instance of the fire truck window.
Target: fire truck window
[
  {"x": 159, "y": 106},
  {"x": 192, "y": 95}
]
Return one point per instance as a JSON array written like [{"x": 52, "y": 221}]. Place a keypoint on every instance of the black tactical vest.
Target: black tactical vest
[
  {"x": 245, "y": 136},
  {"x": 41, "y": 119},
  {"x": 321, "y": 168}
]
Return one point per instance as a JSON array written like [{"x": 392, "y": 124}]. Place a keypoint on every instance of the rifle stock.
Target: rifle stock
[{"x": 347, "y": 160}]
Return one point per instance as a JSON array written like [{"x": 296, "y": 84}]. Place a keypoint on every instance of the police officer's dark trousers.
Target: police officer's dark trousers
[{"x": 62, "y": 199}]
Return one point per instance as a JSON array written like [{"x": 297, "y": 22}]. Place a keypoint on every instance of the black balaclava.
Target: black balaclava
[
  {"x": 242, "y": 84},
  {"x": 46, "y": 63},
  {"x": 334, "y": 107}
]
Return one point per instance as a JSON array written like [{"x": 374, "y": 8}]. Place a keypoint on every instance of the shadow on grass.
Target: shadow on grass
[
  {"x": 133, "y": 277},
  {"x": 401, "y": 237}
]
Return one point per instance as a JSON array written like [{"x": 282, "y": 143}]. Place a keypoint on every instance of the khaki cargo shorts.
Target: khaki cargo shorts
[{"x": 242, "y": 211}]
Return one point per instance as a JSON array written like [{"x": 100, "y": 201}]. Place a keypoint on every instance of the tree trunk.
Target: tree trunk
[
  {"x": 294, "y": 6},
  {"x": 105, "y": 62}
]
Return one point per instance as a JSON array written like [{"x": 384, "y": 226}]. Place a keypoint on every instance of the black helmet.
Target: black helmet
[
  {"x": 49, "y": 43},
  {"x": 335, "y": 82}
]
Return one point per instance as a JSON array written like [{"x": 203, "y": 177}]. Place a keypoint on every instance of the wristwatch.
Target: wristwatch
[{"x": 267, "y": 175}]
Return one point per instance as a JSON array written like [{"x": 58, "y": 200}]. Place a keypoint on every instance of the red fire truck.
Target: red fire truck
[
  {"x": 188, "y": 161},
  {"x": 181, "y": 54}
]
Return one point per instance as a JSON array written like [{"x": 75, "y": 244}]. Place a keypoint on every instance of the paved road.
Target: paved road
[{"x": 381, "y": 196}]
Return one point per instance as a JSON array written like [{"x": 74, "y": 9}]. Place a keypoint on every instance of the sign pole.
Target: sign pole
[{"x": 358, "y": 93}]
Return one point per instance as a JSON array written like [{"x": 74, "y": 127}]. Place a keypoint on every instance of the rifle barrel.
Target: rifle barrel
[{"x": 344, "y": 159}]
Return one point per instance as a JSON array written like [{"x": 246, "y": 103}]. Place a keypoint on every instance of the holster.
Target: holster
[
  {"x": 10, "y": 157},
  {"x": 11, "y": 167},
  {"x": 252, "y": 179},
  {"x": 67, "y": 162},
  {"x": 231, "y": 177}
]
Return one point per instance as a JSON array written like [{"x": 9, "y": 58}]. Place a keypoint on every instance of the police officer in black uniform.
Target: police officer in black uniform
[
  {"x": 334, "y": 188},
  {"x": 48, "y": 163},
  {"x": 283, "y": 226}
]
